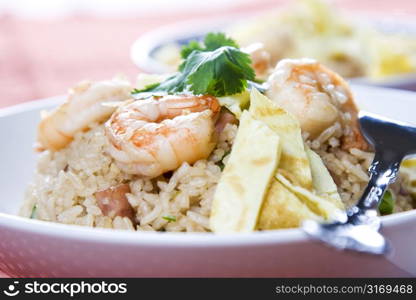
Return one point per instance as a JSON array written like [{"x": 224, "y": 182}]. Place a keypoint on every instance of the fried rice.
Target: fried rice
[{"x": 66, "y": 181}]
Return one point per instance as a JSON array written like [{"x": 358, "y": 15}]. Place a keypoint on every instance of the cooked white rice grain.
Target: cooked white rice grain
[{"x": 65, "y": 182}]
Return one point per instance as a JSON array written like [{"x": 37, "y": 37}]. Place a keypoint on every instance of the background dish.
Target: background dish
[
  {"x": 144, "y": 48},
  {"x": 35, "y": 248}
]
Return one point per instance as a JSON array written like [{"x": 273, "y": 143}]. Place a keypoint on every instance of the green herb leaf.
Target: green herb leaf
[
  {"x": 218, "y": 69},
  {"x": 147, "y": 87},
  {"x": 386, "y": 205},
  {"x": 221, "y": 163},
  {"x": 33, "y": 214},
  {"x": 222, "y": 72},
  {"x": 169, "y": 218},
  {"x": 226, "y": 153},
  {"x": 212, "y": 41},
  {"x": 216, "y": 40},
  {"x": 193, "y": 45}
]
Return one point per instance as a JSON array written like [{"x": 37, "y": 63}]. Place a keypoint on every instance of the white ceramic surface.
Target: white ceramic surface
[
  {"x": 143, "y": 49},
  {"x": 35, "y": 248}
]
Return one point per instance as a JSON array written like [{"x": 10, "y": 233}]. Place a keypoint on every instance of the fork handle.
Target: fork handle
[{"x": 383, "y": 171}]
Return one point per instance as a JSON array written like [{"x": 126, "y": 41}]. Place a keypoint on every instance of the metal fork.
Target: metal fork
[{"x": 358, "y": 229}]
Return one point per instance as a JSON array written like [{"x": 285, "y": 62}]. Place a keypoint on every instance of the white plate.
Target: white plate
[
  {"x": 36, "y": 248},
  {"x": 144, "y": 48}
]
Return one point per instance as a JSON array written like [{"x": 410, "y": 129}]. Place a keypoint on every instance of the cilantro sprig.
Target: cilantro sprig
[
  {"x": 212, "y": 41},
  {"x": 216, "y": 67}
]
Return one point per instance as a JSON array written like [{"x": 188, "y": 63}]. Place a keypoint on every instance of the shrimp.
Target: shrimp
[
  {"x": 317, "y": 97},
  {"x": 260, "y": 58},
  {"x": 83, "y": 107},
  {"x": 156, "y": 135}
]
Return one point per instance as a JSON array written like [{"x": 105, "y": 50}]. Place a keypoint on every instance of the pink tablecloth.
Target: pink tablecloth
[{"x": 42, "y": 58}]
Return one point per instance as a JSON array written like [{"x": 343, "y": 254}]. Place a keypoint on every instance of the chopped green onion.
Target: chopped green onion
[
  {"x": 33, "y": 214},
  {"x": 169, "y": 218},
  {"x": 386, "y": 206}
]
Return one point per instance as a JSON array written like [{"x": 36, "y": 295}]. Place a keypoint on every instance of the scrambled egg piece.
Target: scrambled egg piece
[
  {"x": 323, "y": 183},
  {"x": 236, "y": 103},
  {"x": 245, "y": 179},
  {"x": 294, "y": 161},
  {"x": 295, "y": 187},
  {"x": 283, "y": 209}
]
